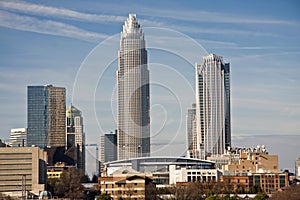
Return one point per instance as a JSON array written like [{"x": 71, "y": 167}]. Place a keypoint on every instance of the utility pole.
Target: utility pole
[{"x": 24, "y": 197}]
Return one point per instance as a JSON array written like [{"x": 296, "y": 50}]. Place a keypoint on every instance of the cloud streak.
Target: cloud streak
[
  {"x": 214, "y": 17},
  {"x": 48, "y": 11},
  {"x": 26, "y": 23}
]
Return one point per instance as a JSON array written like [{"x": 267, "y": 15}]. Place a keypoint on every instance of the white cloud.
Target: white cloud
[
  {"x": 215, "y": 17},
  {"x": 25, "y": 23},
  {"x": 41, "y": 10}
]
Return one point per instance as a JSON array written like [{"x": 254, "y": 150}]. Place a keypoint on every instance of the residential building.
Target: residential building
[
  {"x": 18, "y": 137},
  {"x": 213, "y": 106},
  {"x": 22, "y": 170},
  {"x": 133, "y": 118},
  {"x": 192, "y": 132},
  {"x": 127, "y": 186},
  {"x": 46, "y": 114},
  {"x": 109, "y": 147},
  {"x": 75, "y": 135},
  {"x": 253, "y": 160}
]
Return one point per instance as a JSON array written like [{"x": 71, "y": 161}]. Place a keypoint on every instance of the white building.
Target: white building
[
  {"x": 133, "y": 93},
  {"x": 184, "y": 174},
  {"x": 18, "y": 137},
  {"x": 213, "y": 106}
]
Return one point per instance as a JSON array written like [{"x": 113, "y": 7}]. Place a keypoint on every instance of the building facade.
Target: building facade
[
  {"x": 75, "y": 135},
  {"x": 268, "y": 182},
  {"x": 46, "y": 114},
  {"x": 250, "y": 160},
  {"x": 22, "y": 170},
  {"x": 18, "y": 137},
  {"x": 109, "y": 147},
  {"x": 184, "y": 174},
  {"x": 192, "y": 132},
  {"x": 133, "y": 93},
  {"x": 213, "y": 106},
  {"x": 127, "y": 186}
]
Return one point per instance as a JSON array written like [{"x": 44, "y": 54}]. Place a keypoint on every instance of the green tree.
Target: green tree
[
  {"x": 104, "y": 196},
  {"x": 261, "y": 196}
]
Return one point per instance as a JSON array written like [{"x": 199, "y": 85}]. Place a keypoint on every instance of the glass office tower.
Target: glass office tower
[
  {"x": 46, "y": 113},
  {"x": 133, "y": 93},
  {"x": 213, "y": 106}
]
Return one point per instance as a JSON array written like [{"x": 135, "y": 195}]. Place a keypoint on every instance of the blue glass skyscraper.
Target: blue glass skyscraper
[{"x": 46, "y": 113}]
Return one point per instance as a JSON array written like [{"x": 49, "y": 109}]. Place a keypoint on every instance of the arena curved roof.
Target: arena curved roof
[{"x": 151, "y": 164}]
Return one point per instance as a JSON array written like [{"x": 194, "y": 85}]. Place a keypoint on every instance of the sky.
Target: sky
[{"x": 74, "y": 44}]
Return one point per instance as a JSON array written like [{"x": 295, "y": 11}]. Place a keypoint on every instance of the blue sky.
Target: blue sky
[{"x": 74, "y": 44}]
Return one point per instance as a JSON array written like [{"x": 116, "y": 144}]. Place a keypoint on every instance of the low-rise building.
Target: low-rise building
[
  {"x": 127, "y": 186},
  {"x": 54, "y": 172},
  {"x": 268, "y": 182},
  {"x": 22, "y": 170},
  {"x": 184, "y": 174}
]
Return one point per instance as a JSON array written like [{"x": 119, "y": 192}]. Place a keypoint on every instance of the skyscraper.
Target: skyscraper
[
  {"x": 18, "y": 137},
  {"x": 133, "y": 93},
  {"x": 192, "y": 132},
  {"x": 46, "y": 114},
  {"x": 108, "y": 146},
  {"x": 213, "y": 106},
  {"x": 75, "y": 134}
]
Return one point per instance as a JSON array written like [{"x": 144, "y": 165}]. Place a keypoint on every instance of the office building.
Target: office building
[
  {"x": 213, "y": 106},
  {"x": 75, "y": 135},
  {"x": 18, "y": 137},
  {"x": 108, "y": 146},
  {"x": 268, "y": 182},
  {"x": 133, "y": 118},
  {"x": 192, "y": 132},
  {"x": 22, "y": 171},
  {"x": 46, "y": 114}
]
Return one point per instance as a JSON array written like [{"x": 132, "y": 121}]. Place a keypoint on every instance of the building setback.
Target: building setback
[
  {"x": 46, "y": 114},
  {"x": 213, "y": 106},
  {"x": 133, "y": 93}
]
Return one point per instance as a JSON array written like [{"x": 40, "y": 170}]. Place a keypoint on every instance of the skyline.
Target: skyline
[{"x": 51, "y": 41}]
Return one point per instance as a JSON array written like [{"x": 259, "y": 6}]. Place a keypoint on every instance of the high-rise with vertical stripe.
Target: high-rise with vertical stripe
[
  {"x": 133, "y": 93},
  {"x": 213, "y": 106}
]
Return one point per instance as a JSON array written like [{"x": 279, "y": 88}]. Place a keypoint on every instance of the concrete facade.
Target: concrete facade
[{"x": 22, "y": 166}]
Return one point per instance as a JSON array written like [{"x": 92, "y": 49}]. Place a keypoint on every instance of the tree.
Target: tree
[
  {"x": 292, "y": 192},
  {"x": 104, "y": 196},
  {"x": 69, "y": 184},
  {"x": 261, "y": 196}
]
